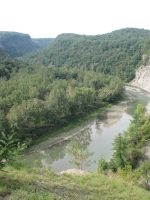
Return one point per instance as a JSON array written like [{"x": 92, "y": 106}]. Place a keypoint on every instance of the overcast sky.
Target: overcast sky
[{"x": 49, "y": 18}]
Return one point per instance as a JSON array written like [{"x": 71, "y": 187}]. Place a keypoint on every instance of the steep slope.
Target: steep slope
[
  {"x": 118, "y": 53},
  {"x": 142, "y": 78},
  {"x": 16, "y": 44},
  {"x": 39, "y": 183},
  {"x": 42, "y": 42}
]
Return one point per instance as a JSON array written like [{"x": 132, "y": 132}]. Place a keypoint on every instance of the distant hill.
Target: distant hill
[
  {"x": 16, "y": 44},
  {"x": 118, "y": 53},
  {"x": 42, "y": 42}
]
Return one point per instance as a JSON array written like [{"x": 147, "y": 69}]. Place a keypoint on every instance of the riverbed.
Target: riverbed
[{"x": 95, "y": 135}]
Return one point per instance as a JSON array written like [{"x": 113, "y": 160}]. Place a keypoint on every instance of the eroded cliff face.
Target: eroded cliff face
[
  {"x": 148, "y": 108},
  {"x": 142, "y": 79}
]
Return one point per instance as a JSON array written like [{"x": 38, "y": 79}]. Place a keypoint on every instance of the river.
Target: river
[{"x": 95, "y": 135}]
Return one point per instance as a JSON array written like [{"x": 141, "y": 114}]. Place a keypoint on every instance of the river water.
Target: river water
[{"x": 95, "y": 135}]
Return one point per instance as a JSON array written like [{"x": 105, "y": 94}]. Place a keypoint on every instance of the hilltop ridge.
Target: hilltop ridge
[
  {"x": 16, "y": 44},
  {"x": 118, "y": 53}
]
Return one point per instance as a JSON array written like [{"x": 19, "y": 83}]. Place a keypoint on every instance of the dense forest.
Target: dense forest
[
  {"x": 118, "y": 53},
  {"x": 41, "y": 96},
  {"x": 7, "y": 65},
  {"x": 16, "y": 44},
  {"x": 48, "y": 83},
  {"x": 69, "y": 78}
]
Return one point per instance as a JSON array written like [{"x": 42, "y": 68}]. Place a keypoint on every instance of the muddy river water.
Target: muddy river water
[{"x": 95, "y": 135}]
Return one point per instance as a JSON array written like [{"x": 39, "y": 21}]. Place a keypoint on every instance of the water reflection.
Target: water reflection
[
  {"x": 114, "y": 114},
  {"x": 98, "y": 126},
  {"x": 97, "y": 137},
  {"x": 84, "y": 137},
  {"x": 57, "y": 152}
]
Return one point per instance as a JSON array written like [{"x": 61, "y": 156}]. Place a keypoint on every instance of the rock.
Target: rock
[
  {"x": 142, "y": 79},
  {"x": 73, "y": 172},
  {"x": 146, "y": 151},
  {"x": 148, "y": 108},
  {"x": 144, "y": 56}
]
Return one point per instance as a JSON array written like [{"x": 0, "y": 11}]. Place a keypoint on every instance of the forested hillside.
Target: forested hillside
[
  {"x": 116, "y": 53},
  {"x": 16, "y": 44},
  {"x": 42, "y": 42},
  {"x": 69, "y": 78},
  {"x": 46, "y": 96},
  {"x": 49, "y": 88},
  {"x": 7, "y": 65}
]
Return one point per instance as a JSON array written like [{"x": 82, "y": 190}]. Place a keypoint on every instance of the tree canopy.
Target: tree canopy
[
  {"x": 16, "y": 44},
  {"x": 70, "y": 77},
  {"x": 117, "y": 53}
]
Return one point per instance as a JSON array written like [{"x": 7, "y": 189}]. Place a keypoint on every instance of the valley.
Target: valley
[
  {"x": 95, "y": 135},
  {"x": 74, "y": 85}
]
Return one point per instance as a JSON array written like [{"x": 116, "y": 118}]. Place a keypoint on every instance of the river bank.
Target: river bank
[
  {"x": 95, "y": 134},
  {"x": 140, "y": 90},
  {"x": 112, "y": 112},
  {"x": 66, "y": 132}
]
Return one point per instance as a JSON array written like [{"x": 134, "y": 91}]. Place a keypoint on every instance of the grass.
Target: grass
[{"x": 42, "y": 184}]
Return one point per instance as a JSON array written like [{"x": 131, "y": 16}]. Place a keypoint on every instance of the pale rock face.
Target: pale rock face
[
  {"x": 74, "y": 172},
  {"x": 148, "y": 108},
  {"x": 144, "y": 56},
  {"x": 142, "y": 79}
]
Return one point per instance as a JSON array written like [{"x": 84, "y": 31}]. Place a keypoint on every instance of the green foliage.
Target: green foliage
[
  {"x": 36, "y": 97},
  {"x": 102, "y": 164},
  {"x": 8, "y": 65},
  {"x": 127, "y": 147},
  {"x": 120, "y": 151},
  {"x": 69, "y": 78},
  {"x": 42, "y": 42},
  {"x": 29, "y": 183},
  {"x": 16, "y": 44},
  {"x": 116, "y": 53},
  {"x": 143, "y": 173},
  {"x": 126, "y": 174},
  {"x": 38, "y": 164},
  {"x": 9, "y": 149},
  {"x": 79, "y": 154}
]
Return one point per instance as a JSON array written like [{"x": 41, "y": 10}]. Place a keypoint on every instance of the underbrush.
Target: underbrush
[{"x": 43, "y": 184}]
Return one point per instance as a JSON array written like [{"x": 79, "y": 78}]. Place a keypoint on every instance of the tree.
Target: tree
[
  {"x": 127, "y": 147},
  {"x": 120, "y": 149},
  {"x": 143, "y": 172},
  {"x": 9, "y": 149},
  {"x": 102, "y": 164},
  {"x": 79, "y": 154}
]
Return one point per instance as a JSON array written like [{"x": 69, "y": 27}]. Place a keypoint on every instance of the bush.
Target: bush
[
  {"x": 102, "y": 164},
  {"x": 9, "y": 149}
]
